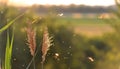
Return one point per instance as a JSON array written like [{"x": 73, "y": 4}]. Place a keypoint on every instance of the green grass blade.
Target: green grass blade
[
  {"x": 10, "y": 50},
  {"x": 11, "y": 44},
  {"x": 8, "y": 53},
  {"x": 10, "y": 23}
]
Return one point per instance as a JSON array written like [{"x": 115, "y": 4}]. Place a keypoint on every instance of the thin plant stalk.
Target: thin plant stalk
[
  {"x": 32, "y": 58},
  {"x": 34, "y": 62},
  {"x": 42, "y": 65}
]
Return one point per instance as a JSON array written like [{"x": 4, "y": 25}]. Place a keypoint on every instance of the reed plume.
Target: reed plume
[
  {"x": 46, "y": 44},
  {"x": 31, "y": 41}
]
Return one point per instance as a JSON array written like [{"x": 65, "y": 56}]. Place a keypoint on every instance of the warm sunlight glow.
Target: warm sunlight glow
[{"x": 64, "y": 2}]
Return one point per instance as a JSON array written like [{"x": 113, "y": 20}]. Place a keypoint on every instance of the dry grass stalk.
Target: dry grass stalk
[
  {"x": 46, "y": 43},
  {"x": 31, "y": 41}
]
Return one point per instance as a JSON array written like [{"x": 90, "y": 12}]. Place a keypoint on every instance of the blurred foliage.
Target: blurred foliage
[
  {"x": 112, "y": 57},
  {"x": 72, "y": 8},
  {"x": 74, "y": 51}
]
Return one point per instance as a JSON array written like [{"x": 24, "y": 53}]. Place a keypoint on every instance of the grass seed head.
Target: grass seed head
[
  {"x": 46, "y": 43},
  {"x": 31, "y": 40}
]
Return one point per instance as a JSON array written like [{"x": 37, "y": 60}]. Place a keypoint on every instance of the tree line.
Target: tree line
[{"x": 73, "y": 8}]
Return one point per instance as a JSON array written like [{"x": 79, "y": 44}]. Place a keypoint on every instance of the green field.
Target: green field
[
  {"x": 82, "y": 20},
  {"x": 89, "y": 27}
]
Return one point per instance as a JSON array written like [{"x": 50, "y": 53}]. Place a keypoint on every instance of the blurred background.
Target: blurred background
[{"x": 86, "y": 34}]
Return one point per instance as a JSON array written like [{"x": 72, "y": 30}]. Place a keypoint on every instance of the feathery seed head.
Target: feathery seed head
[
  {"x": 31, "y": 40},
  {"x": 46, "y": 43}
]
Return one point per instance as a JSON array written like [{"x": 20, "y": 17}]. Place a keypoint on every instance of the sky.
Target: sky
[{"x": 63, "y": 2}]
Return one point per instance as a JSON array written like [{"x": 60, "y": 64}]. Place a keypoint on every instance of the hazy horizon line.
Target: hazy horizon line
[{"x": 47, "y": 4}]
